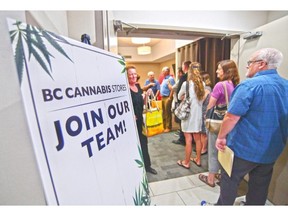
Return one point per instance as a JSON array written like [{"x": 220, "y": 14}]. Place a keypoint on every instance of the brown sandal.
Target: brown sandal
[
  {"x": 180, "y": 163},
  {"x": 194, "y": 161},
  {"x": 204, "y": 179},
  {"x": 218, "y": 176}
]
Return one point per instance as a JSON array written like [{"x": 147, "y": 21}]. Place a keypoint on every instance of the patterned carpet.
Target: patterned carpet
[{"x": 164, "y": 155}]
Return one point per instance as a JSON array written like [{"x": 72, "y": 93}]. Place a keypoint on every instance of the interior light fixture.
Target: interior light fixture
[
  {"x": 137, "y": 40},
  {"x": 144, "y": 50}
]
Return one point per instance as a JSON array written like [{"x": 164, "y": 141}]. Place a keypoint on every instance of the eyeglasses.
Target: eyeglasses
[{"x": 250, "y": 62}]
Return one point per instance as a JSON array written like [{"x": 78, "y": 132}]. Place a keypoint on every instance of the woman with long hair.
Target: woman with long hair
[
  {"x": 227, "y": 73},
  {"x": 191, "y": 127},
  {"x": 208, "y": 89}
]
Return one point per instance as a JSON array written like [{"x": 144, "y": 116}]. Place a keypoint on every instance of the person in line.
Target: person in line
[
  {"x": 138, "y": 103},
  {"x": 152, "y": 83},
  {"x": 227, "y": 73},
  {"x": 175, "y": 101},
  {"x": 255, "y": 128},
  {"x": 208, "y": 89},
  {"x": 185, "y": 68},
  {"x": 160, "y": 80},
  {"x": 167, "y": 97},
  {"x": 191, "y": 127},
  {"x": 203, "y": 137},
  {"x": 161, "y": 77}
]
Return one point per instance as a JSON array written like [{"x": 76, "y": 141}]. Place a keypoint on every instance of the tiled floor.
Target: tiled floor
[
  {"x": 174, "y": 185},
  {"x": 187, "y": 190}
]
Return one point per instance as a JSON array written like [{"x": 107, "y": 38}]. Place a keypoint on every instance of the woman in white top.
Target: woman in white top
[{"x": 192, "y": 126}]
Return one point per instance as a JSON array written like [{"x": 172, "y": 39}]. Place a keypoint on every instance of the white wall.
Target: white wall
[
  {"x": 275, "y": 35},
  {"x": 110, "y": 35},
  {"x": 20, "y": 182},
  {"x": 273, "y": 15},
  {"x": 81, "y": 22},
  {"x": 54, "y": 21},
  {"x": 199, "y": 20}
]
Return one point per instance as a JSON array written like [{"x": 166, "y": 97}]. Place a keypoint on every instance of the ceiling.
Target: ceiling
[
  {"x": 126, "y": 42},
  {"x": 156, "y": 35},
  {"x": 193, "y": 24},
  {"x": 124, "y": 36}
]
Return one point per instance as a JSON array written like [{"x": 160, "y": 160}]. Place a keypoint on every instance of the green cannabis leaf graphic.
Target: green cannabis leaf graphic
[
  {"x": 123, "y": 63},
  {"x": 34, "y": 40},
  {"x": 142, "y": 196}
]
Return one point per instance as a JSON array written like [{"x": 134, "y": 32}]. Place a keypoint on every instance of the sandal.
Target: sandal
[
  {"x": 180, "y": 163},
  {"x": 194, "y": 161},
  {"x": 204, "y": 179},
  {"x": 218, "y": 176}
]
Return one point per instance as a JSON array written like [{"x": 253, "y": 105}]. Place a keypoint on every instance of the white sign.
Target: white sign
[{"x": 81, "y": 120}]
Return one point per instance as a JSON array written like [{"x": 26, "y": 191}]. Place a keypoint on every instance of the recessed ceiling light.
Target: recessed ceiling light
[
  {"x": 144, "y": 50},
  {"x": 136, "y": 40}
]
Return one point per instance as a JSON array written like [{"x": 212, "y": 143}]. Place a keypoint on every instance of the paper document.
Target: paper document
[{"x": 226, "y": 158}]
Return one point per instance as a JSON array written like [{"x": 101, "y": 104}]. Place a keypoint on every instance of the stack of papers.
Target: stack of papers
[{"x": 226, "y": 158}]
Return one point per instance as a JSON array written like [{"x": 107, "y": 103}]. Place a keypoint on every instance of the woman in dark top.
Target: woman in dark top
[{"x": 138, "y": 102}]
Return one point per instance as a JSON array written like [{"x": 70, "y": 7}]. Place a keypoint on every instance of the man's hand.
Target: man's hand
[
  {"x": 220, "y": 144},
  {"x": 228, "y": 124}
]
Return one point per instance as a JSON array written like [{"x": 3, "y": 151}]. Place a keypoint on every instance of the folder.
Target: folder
[{"x": 226, "y": 158}]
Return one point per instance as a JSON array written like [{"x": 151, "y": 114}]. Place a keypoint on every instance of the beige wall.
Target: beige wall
[
  {"x": 144, "y": 68},
  {"x": 275, "y": 35},
  {"x": 169, "y": 64},
  {"x": 278, "y": 190},
  {"x": 162, "y": 49}
]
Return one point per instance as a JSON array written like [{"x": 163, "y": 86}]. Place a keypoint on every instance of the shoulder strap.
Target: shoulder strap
[
  {"x": 226, "y": 93},
  {"x": 187, "y": 89}
]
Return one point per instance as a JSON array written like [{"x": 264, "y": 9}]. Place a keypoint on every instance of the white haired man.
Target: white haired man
[
  {"x": 166, "y": 92},
  {"x": 152, "y": 83},
  {"x": 255, "y": 128}
]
